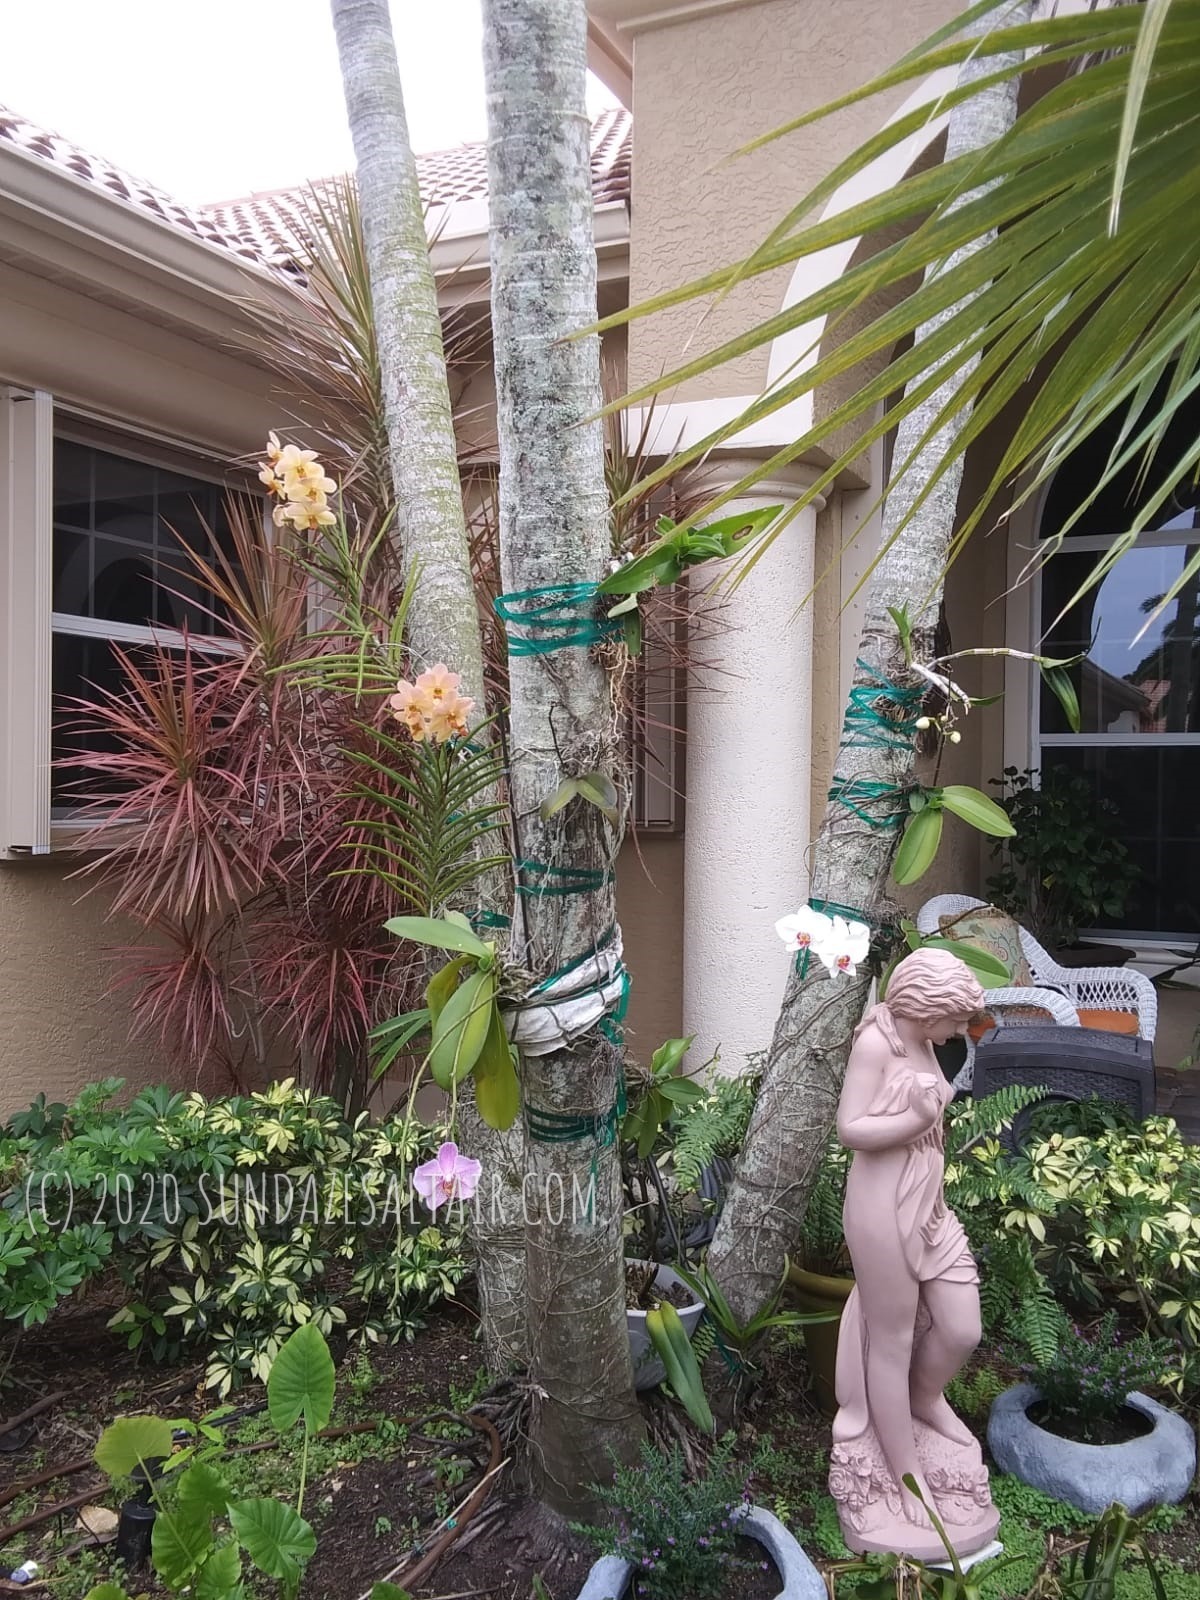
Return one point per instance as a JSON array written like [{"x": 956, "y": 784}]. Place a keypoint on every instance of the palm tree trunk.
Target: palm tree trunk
[
  {"x": 432, "y": 533},
  {"x": 554, "y": 531},
  {"x": 797, "y": 1104}
]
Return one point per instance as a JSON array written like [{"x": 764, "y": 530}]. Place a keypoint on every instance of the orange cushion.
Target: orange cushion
[{"x": 1106, "y": 1021}]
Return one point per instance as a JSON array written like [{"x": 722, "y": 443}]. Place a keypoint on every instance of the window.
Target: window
[
  {"x": 120, "y": 573},
  {"x": 93, "y": 538},
  {"x": 1139, "y": 698}
]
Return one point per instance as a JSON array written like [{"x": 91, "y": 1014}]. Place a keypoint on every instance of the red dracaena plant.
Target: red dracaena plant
[{"x": 219, "y": 785}]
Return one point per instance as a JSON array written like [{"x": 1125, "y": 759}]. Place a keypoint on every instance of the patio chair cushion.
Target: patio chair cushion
[
  {"x": 1106, "y": 1021},
  {"x": 990, "y": 929}
]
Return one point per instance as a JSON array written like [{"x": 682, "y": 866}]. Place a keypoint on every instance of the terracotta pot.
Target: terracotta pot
[{"x": 813, "y": 1291}]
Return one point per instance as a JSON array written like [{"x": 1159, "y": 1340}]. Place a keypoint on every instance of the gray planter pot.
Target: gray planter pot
[
  {"x": 1155, "y": 1469},
  {"x": 609, "y": 1577},
  {"x": 647, "y": 1368}
]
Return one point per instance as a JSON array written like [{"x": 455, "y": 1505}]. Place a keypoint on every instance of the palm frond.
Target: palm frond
[{"x": 1076, "y": 306}]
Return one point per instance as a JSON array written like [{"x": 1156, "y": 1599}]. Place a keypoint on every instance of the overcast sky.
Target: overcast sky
[{"x": 210, "y": 99}]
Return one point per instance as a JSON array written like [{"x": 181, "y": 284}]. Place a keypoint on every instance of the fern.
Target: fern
[
  {"x": 985, "y": 1119},
  {"x": 714, "y": 1126}
]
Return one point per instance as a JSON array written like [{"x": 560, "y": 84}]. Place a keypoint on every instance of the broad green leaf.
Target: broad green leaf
[
  {"x": 1058, "y": 680},
  {"x": 180, "y": 1544},
  {"x": 667, "y": 1058},
  {"x": 989, "y": 969},
  {"x": 461, "y": 1031},
  {"x": 682, "y": 1091},
  {"x": 389, "y": 1591},
  {"x": 440, "y": 934},
  {"x": 899, "y": 615},
  {"x": 656, "y": 1110},
  {"x": 131, "y": 1440},
  {"x": 459, "y": 919},
  {"x": 221, "y": 1574},
  {"x": 107, "y": 1591},
  {"x": 202, "y": 1490},
  {"x": 632, "y": 627},
  {"x": 497, "y": 1091},
  {"x": 598, "y": 789},
  {"x": 562, "y": 796},
  {"x": 276, "y": 1538},
  {"x": 441, "y": 986},
  {"x": 301, "y": 1381},
  {"x": 978, "y": 810},
  {"x": 919, "y": 846},
  {"x": 624, "y": 607}
]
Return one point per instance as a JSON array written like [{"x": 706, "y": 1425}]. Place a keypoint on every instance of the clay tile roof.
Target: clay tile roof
[
  {"x": 263, "y": 228},
  {"x": 273, "y": 221},
  {"x": 59, "y": 152}
]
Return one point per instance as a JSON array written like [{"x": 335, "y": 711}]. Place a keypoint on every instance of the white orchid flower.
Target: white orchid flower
[
  {"x": 805, "y": 930},
  {"x": 846, "y": 947}
]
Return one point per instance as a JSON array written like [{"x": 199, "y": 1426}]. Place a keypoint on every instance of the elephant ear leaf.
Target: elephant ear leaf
[{"x": 301, "y": 1381}]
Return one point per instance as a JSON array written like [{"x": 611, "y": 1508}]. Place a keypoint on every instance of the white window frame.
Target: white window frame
[
  {"x": 29, "y": 826},
  {"x": 1023, "y": 738}
]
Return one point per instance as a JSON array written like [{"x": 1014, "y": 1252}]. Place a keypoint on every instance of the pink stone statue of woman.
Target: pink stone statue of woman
[{"x": 913, "y": 1317}]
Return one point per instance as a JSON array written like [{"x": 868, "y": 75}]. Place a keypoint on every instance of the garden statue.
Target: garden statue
[{"x": 913, "y": 1317}]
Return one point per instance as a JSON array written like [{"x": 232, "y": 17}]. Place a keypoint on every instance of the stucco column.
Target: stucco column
[{"x": 748, "y": 757}]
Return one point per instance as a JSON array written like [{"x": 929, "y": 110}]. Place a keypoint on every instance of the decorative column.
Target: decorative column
[{"x": 749, "y": 746}]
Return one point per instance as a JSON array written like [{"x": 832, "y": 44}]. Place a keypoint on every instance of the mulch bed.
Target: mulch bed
[{"x": 374, "y": 1499}]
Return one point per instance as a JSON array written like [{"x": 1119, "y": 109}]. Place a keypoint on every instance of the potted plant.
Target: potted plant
[
  {"x": 647, "y": 1285},
  {"x": 671, "y": 1538},
  {"x": 821, "y": 1278},
  {"x": 1082, "y": 1431},
  {"x": 1065, "y": 867}
]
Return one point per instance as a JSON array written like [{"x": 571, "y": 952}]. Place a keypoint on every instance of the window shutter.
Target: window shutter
[{"x": 26, "y": 577}]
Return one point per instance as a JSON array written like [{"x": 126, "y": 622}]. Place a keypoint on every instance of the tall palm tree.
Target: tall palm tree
[
  {"x": 555, "y": 546},
  {"x": 431, "y": 529}
]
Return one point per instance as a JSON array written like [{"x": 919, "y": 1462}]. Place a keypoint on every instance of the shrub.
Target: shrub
[
  {"x": 1102, "y": 1212},
  {"x": 229, "y": 1222},
  {"x": 1087, "y": 1379},
  {"x": 679, "y": 1535}
]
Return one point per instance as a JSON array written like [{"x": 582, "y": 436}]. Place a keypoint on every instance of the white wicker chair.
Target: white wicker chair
[{"x": 1062, "y": 991}]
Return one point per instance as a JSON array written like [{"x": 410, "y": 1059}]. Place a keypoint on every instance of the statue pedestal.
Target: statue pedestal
[{"x": 868, "y": 1497}]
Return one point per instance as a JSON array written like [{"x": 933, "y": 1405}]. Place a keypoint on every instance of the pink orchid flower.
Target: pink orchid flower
[{"x": 449, "y": 1176}]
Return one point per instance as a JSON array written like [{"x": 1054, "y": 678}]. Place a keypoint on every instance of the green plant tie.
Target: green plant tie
[
  {"x": 557, "y": 617},
  {"x": 867, "y": 724},
  {"x": 735, "y": 1365},
  {"x": 613, "y": 1027},
  {"x": 856, "y": 794},
  {"x": 489, "y": 919},
  {"x": 831, "y": 908},
  {"x": 564, "y": 1127},
  {"x": 559, "y": 880}
]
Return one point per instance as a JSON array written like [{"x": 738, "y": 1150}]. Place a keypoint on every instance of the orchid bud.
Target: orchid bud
[
  {"x": 955, "y": 737},
  {"x": 923, "y": 723}
]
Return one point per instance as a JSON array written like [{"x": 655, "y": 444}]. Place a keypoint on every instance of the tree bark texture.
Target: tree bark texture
[
  {"x": 432, "y": 532},
  {"x": 554, "y": 530},
  {"x": 851, "y": 860},
  {"x": 424, "y": 458}
]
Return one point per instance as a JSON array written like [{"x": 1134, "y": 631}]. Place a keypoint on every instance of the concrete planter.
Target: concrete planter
[
  {"x": 1155, "y": 1469},
  {"x": 609, "y": 1577},
  {"x": 647, "y": 1368}
]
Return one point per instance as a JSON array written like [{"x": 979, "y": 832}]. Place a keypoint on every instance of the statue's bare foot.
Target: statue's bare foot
[
  {"x": 937, "y": 1414},
  {"x": 913, "y": 1508}
]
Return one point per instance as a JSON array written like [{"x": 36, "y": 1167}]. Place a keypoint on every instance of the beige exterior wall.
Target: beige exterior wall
[
  {"x": 59, "y": 1028},
  {"x": 706, "y": 82}
]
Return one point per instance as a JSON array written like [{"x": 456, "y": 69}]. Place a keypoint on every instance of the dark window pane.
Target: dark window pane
[
  {"x": 1151, "y": 790},
  {"x": 123, "y": 588},
  {"x": 80, "y": 667},
  {"x": 72, "y": 483},
  {"x": 1148, "y": 686},
  {"x": 72, "y": 572}
]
